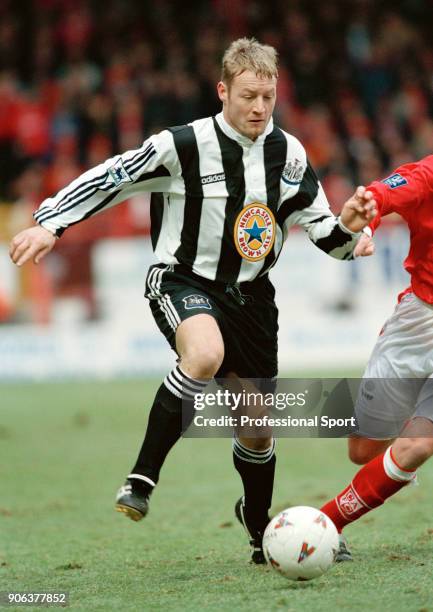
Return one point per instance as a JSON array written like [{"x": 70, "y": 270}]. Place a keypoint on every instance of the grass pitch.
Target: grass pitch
[{"x": 65, "y": 449}]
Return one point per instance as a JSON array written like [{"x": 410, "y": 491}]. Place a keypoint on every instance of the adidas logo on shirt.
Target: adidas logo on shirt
[{"x": 213, "y": 178}]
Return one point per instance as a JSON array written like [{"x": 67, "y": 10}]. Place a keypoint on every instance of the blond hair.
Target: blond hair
[{"x": 248, "y": 54}]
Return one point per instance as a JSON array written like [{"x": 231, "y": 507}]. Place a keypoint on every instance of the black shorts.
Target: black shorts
[{"x": 249, "y": 329}]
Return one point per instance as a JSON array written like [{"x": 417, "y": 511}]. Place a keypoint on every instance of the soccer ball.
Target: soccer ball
[{"x": 300, "y": 543}]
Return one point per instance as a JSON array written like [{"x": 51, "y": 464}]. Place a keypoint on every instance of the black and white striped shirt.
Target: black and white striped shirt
[{"x": 221, "y": 205}]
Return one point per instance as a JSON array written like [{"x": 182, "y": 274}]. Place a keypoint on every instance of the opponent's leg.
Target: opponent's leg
[
  {"x": 361, "y": 451},
  {"x": 200, "y": 347},
  {"x": 384, "y": 405},
  {"x": 384, "y": 475}
]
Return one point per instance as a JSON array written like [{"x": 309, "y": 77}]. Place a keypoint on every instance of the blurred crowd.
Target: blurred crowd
[{"x": 83, "y": 80}]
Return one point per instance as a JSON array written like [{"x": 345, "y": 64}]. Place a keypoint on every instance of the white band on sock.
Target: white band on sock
[
  {"x": 141, "y": 477},
  {"x": 253, "y": 456},
  {"x": 183, "y": 386},
  {"x": 393, "y": 471}
]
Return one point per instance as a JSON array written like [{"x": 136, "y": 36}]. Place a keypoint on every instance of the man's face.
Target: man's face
[{"x": 248, "y": 103}]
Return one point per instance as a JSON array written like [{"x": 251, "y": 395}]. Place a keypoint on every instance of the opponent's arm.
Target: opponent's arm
[{"x": 402, "y": 191}]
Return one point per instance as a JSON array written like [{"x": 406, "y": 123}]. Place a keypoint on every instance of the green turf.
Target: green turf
[{"x": 64, "y": 450}]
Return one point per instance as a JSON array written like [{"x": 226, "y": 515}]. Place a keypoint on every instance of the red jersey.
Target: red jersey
[{"x": 409, "y": 192}]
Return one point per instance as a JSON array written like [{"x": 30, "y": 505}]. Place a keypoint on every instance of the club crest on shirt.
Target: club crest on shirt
[
  {"x": 293, "y": 172},
  {"x": 254, "y": 231},
  {"x": 118, "y": 174},
  {"x": 395, "y": 180},
  {"x": 196, "y": 301}
]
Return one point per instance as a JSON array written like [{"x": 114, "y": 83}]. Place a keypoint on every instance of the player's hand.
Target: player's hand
[
  {"x": 359, "y": 210},
  {"x": 364, "y": 247},
  {"x": 33, "y": 243}
]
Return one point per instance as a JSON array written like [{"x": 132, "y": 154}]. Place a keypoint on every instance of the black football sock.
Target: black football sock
[
  {"x": 166, "y": 424},
  {"x": 257, "y": 469}
]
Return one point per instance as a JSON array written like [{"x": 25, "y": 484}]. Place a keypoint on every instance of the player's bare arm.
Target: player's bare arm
[
  {"x": 358, "y": 210},
  {"x": 31, "y": 244}
]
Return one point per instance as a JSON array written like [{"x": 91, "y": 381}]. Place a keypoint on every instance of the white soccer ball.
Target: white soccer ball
[{"x": 300, "y": 543}]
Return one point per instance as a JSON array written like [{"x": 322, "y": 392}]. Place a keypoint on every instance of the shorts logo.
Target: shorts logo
[
  {"x": 349, "y": 502},
  {"x": 254, "y": 232},
  {"x": 196, "y": 301},
  {"x": 118, "y": 173},
  {"x": 213, "y": 178},
  {"x": 395, "y": 180},
  {"x": 293, "y": 172}
]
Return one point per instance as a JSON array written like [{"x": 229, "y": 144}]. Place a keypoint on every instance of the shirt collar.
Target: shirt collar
[{"x": 235, "y": 135}]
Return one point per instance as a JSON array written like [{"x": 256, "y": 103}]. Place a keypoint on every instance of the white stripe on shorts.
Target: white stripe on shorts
[{"x": 164, "y": 301}]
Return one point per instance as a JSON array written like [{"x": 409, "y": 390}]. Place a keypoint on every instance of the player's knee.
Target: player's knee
[
  {"x": 203, "y": 361},
  {"x": 359, "y": 456},
  {"x": 363, "y": 450},
  {"x": 412, "y": 452},
  {"x": 357, "y": 452}
]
